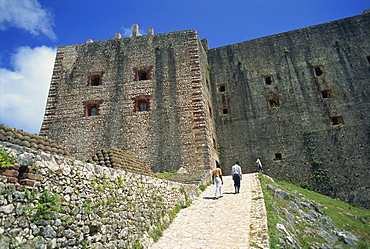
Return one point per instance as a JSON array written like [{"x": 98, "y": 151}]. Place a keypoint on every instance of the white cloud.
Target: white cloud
[
  {"x": 28, "y": 15},
  {"x": 127, "y": 32},
  {"x": 24, "y": 90}
]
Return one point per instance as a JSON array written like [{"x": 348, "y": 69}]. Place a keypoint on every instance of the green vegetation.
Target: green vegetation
[
  {"x": 5, "y": 159},
  {"x": 272, "y": 217},
  {"x": 137, "y": 245},
  {"x": 165, "y": 175},
  {"x": 202, "y": 187},
  {"x": 48, "y": 202},
  {"x": 157, "y": 232},
  {"x": 345, "y": 217}
]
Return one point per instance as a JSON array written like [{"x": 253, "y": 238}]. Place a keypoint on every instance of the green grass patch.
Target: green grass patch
[
  {"x": 165, "y": 175},
  {"x": 345, "y": 216}
]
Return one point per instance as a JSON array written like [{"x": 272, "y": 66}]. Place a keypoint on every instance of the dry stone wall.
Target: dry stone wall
[{"x": 82, "y": 205}]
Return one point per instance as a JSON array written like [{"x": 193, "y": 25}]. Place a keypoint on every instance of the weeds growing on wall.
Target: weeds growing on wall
[
  {"x": 156, "y": 233},
  {"x": 48, "y": 203},
  {"x": 5, "y": 159}
]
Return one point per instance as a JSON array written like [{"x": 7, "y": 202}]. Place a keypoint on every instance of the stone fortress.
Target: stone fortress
[{"x": 299, "y": 100}]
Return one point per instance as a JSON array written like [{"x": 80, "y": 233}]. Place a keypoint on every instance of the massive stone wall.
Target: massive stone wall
[
  {"x": 147, "y": 95},
  {"x": 72, "y": 204},
  {"x": 300, "y": 101}
]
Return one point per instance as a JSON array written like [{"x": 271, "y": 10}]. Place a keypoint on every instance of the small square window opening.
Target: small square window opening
[
  {"x": 92, "y": 110},
  {"x": 142, "y": 75},
  {"x": 278, "y": 156},
  {"x": 336, "y": 120},
  {"x": 268, "y": 80},
  {"x": 274, "y": 102},
  {"x": 222, "y": 88},
  {"x": 318, "y": 70},
  {"x": 368, "y": 59},
  {"x": 142, "y": 103},
  {"x": 326, "y": 94},
  {"x": 95, "y": 80},
  {"x": 224, "y": 110},
  {"x": 142, "y": 106},
  {"x": 92, "y": 107}
]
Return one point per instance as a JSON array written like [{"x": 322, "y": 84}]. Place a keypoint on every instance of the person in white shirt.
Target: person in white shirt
[
  {"x": 236, "y": 172},
  {"x": 259, "y": 163}
]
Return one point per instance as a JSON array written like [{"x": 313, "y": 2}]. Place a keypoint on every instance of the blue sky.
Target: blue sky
[{"x": 31, "y": 30}]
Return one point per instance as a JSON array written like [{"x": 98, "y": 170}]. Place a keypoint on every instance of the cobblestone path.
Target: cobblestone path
[{"x": 232, "y": 221}]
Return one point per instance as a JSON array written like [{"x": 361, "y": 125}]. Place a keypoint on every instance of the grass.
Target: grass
[
  {"x": 345, "y": 216},
  {"x": 165, "y": 175},
  {"x": 157, "y": 232}
]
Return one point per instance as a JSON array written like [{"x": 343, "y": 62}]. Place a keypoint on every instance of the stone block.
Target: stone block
[
  {"x": 32, "y": 176},
  {"x": 27, "y": 182},
  {"x": 8, "y": 172},
  {"x": 12, "y": 180}
]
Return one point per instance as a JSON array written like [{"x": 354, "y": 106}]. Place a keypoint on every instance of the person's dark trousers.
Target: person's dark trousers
[{"x": 236, "y": 178}]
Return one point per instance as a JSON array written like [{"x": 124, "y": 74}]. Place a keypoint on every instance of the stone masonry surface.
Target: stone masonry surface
[
  {"x": 298, "y": 99},
  {"x": 81, "y": 205},
  {"x": 232, "y": 221},
  {"x": 71, "y": 204},
  {"x": 174, "y": 129}
]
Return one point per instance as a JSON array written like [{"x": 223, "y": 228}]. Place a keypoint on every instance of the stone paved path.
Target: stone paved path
[{"x": 232, "y": 221}]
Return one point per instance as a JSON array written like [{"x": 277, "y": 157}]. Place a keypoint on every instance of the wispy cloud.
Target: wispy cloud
[
  {"x": 127, "y": 32},
  {"x": 28, "y": 15},
  {"x": 24, "y": 90}
]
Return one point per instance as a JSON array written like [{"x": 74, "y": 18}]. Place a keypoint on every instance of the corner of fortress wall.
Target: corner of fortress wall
[{"x": 175, "y": 91}]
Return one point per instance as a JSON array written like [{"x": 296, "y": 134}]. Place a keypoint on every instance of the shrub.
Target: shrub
[{"x": 202, "y": 187}]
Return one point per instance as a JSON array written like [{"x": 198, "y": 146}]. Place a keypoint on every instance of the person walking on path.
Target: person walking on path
[
  {"x": 259, "y": 163},
  {"x": 217, "y": 178},
  {"x": 236, "y": 172}
]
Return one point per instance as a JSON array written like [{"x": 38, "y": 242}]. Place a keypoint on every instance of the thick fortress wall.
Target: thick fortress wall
[
  {"x": 300, "y": 101},
  {"x": 146, "y": 95}
]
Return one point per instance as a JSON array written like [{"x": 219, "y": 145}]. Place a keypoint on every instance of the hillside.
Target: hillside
[{"x": 299, "y": 218}]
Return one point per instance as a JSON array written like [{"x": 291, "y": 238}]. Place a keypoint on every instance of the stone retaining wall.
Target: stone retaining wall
[{"x": 72, "y": 204}]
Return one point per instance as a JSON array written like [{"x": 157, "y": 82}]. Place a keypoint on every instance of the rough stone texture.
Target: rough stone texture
[
  {"x": 98, "y": 207},
  {"x": 33, "y": 141},
  {"x": 327, "y": 158},
  {"x": 302, "y": 222},
  {"x": 299, "y": 100},
  {"x": 120, "y": 160},
  {"x": 174, "y": 132}
]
